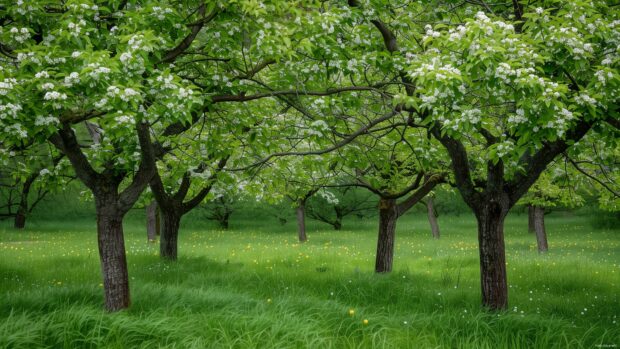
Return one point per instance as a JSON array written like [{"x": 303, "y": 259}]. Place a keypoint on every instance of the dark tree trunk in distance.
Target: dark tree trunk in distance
[
  {"x": 339, "y": 215},
  {"x": 170, "y": 234},
  {"x": 223, "y": 221},
  {"x": 530, "y": 219},
  {"x": 432, "y": 218},
  {"x": 539, "y": 227},
  {"x": 20, "y": 219},
  {"x": 301, "y": 220},
  {"x": 22, "y": 210},
  {"x": 388, "y": 214},
  {"x": 490, "y": 216},
  {"x": 152, "y": 221}
]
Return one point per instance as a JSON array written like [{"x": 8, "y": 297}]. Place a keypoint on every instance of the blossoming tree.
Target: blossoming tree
[{"x": 505, "y": 96}]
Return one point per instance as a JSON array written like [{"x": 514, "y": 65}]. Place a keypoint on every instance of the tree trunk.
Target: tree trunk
[
  {"x": 168, "y": 242},
  {"x": 539, "y": 227},
  {"x": 22, "y": 210},
  {"x": 301, "y": 220},
  {"x": 224, "y": 220},
  {"x": 20, "y": 219},
  {"x": 490, "y": 216},
  {"x": 152, "y": 221},
  {"x": 338, "y": 224},
  {"x": 113, "y": 260},
  {"x": 338, "y": 221},
  {"x": 432, "y": 218},
  {"x": 530, "y": 219},
  {"x": 388, "y": 214}
]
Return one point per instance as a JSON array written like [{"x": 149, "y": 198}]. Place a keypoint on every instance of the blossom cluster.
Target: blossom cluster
[
  {"x": 126, "y": 94},
  {"x": 20, "y": 35}
]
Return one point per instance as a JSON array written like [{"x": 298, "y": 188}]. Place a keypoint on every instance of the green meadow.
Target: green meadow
[{"x": 255, "y": 286}]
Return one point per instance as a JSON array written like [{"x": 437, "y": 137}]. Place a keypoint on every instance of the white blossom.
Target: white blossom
[
  {"x": 42, "y": 75},
  {"x": 54, "y": 95},
  {"x": 47, "y": 86},
  {"x": 45, "y": 120},
  {"x": 72, "y": 79}
]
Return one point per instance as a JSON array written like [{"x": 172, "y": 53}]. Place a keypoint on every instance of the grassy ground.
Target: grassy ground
[{"x": 256, "y": 287}]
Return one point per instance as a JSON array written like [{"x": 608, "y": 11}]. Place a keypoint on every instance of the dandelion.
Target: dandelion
[
  {"x": 365, "y": 322},
  {"x": 351, "y": 312}
]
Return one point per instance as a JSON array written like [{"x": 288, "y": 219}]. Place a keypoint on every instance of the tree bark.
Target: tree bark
[
  {"x": 113, "y": 260},
  {"x": 168, "y": 242},
  {"x": 388, "y": 214},
  {"x": 339, "y": 215},
  {"x": 301, "y": 220},
  {"x": 490, "y": 216},
  {"x": 152, "y": 221},
  {"x": 224, "y": 219},
  {"x": 530, "y": 219},
  {"x": 539, "y": 228},
  {"x": 432, "y": 218},
  {"x": 22, "y": 210},
  {"x": 20, "y": 219}
]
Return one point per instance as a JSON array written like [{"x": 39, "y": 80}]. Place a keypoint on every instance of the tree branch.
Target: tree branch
[
  {"x": 419, "y": 194},
  {"x": 129, "y": 196}
]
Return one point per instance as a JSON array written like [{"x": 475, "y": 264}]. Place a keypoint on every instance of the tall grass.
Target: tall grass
[{"x": 256, "y": 287}]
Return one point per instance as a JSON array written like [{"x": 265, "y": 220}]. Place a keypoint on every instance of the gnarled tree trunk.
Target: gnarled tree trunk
[
  {"x": 112, "y": 256},
  {"x": 539, "y": 227},
  {"x": 490, "y": 215},
  {"x": 301, "y": 220},
  {"x": 169, "y": 235},
  {"x": 432, "y": 218},
  {"x": 388, "y": 214}
]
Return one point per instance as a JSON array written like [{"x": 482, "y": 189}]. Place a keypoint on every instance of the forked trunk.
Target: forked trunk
[
  {"x": 152, "y": 221},
  {"x": 530, "y": 219},
  {"x": 168, "y": 242},
  {"x": 301, "y": 221},
  {"x": 432, "y": 218},
  {"x": 539, "y": 227},
  {"x": 113, "y": 260},
  {"x": 388, "y": 214},
  {"x": 490, "y": 216}
]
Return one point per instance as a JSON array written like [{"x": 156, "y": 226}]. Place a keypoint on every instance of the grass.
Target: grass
[{"x": 256, "y": 287}]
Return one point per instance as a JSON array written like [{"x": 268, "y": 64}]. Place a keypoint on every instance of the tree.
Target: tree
[
  {"x": 219, "y": 210},
  {"x": 553, "y": 78},
  {"x": 552, "y": 188},
  {"x": 401, "y": 176},
  {"x": 26, "y": 179},
  {"x": 78, "y": 62},
  {"x": 505, "y": 90},
  {"x": 348, "y": 201},
  {"x": 295, "y": 179}
]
